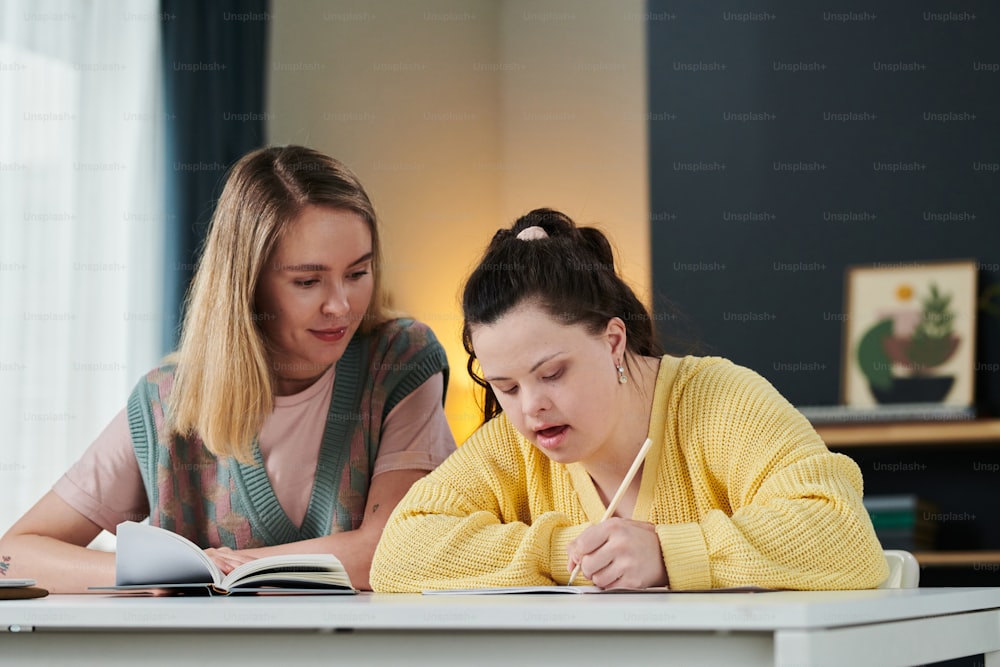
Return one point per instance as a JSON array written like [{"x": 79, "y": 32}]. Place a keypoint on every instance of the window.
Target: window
[{"x": 81, "y": 228}]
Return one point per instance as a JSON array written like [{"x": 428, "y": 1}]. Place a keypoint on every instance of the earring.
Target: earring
[{"x": 621, "y": 374}]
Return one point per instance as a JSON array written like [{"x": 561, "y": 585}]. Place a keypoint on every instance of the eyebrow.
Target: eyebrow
[
  {"x": 323, "y": 267},
  {"x": 533, "y": 368}
]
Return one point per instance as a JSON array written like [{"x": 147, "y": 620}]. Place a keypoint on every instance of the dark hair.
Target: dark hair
[{"x": 571, "y": 275}]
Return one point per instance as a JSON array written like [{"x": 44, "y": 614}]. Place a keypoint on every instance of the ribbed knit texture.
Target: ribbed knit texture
[
  {"x": 220, "y": 502},
  {"x": 740, "y": 487}
]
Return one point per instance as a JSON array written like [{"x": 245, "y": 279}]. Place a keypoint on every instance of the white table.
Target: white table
[{"x": 855, "y": 628}]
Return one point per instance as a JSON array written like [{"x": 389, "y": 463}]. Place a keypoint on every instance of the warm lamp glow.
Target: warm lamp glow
[
  {"x": 463, "y": 413},
  {"x": 433, "y": 260}
]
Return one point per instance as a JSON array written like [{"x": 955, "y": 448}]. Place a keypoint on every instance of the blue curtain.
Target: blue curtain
[{"x": 213, "y": 75}]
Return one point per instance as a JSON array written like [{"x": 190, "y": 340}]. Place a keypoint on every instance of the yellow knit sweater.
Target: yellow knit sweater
[{"x": 740, "y": 487}]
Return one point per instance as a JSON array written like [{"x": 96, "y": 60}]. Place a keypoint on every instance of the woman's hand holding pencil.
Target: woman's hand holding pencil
[{"x": 621, "y": 553}]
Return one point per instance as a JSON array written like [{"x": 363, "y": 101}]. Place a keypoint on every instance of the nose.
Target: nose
[
  {"x": 533, "y": 401},
  {"x": 336, "y": 303}
]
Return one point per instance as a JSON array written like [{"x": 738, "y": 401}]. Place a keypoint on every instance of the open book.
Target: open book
[{"x": 149, "y": 557}]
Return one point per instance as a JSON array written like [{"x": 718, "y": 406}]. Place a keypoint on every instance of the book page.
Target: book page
[
  {"x": 294, "y": 570},
  {"x": 16, "y": 583},
  {"x": 148, "y": 555}
]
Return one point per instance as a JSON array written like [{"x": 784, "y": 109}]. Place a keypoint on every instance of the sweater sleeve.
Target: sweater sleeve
[
  {"x": 787, "y": 512},
  {"x": 468, "y": 524}
]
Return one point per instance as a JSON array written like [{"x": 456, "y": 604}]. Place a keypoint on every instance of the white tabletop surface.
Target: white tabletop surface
[{"x": 637, "y": 612}]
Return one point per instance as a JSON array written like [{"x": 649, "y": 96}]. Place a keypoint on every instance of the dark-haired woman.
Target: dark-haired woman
[{"x": 737, "y": 488}]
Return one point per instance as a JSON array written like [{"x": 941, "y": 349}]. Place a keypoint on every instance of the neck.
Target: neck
[
  {"x": 287, "y": 385},
  {"x": 634, "y": 409}
]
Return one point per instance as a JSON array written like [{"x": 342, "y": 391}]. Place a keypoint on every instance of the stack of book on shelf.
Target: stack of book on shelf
[{"x": 903, "y": 522}]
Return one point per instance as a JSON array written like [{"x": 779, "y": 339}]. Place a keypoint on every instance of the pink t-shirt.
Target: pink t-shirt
[{"x": 106, "y": 487}]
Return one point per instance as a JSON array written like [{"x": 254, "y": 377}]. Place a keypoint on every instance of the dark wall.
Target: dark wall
[
  {"x": 791, "y": 141},
  {"x": 214, "y": 66}
]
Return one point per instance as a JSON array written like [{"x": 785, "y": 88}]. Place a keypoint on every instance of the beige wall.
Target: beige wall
[
  {"x": 460, "y": 115},
  {"x": 574, "y": 129}
]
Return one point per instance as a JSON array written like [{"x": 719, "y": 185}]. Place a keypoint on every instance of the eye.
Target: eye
[
  {"x": 553, "y": 376},
  {"x": 358, "y": 275},
  {"x": 307, "y": 282},
  {"x": 509, "y": 391}
]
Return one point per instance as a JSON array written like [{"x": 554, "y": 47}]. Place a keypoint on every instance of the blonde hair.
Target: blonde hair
[{"x": 223, "y": 386}]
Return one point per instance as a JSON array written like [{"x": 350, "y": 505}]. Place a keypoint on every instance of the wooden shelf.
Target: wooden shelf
[
  {"x": 983, "y": 432},
  {"x": 974, "y": 431},
  {"x": 958, "y": 558}
]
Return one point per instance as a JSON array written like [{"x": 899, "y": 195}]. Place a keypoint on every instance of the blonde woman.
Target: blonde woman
[{"x": 295, "y": 413}]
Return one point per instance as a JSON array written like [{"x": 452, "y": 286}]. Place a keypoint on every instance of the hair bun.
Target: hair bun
[
  {"x": 558, "y": 225},
  {"x": 532, "y": 233},
  {"x": 599, "y": 246},
  {"x": 553, "y": 222}
]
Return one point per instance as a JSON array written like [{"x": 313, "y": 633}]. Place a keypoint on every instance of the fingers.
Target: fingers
[
  {"x": 602, "y": 570},
  {"x": 589, "y": 540},
  {"x": 588, "y": 551},
  {"x": 619, "y": 553},
  {"x": 226, "y": 559}
]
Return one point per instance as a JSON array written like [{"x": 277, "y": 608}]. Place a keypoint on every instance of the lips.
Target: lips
[
  {"x": 329, "y": 335},
  {"x": 550, "y": 437}
]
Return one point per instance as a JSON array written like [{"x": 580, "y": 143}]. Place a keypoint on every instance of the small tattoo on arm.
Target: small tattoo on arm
[
  {"x": 375, "y": 508},
  {"x": 4, "y": 565}
]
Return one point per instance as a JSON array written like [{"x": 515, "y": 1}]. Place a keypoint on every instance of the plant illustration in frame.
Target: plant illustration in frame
[{"x": 910, "y": 334}]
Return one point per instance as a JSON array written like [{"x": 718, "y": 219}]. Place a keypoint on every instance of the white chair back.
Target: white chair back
[{"x": 904, "y": 570}]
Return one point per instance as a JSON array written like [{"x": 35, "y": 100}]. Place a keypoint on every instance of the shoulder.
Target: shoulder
[
  {"x": 160, "y": 372},
  {"x": 500, "y": 440},
  {"x": 712, "y": 393},
  {"x": 496, "y": 449},
  {"x": 497, "y": 433},
  {"x": 159, "y": 379},
  {"x": 726, "y": 406},
  {"x": 403, "y": 327},
  {"x": 401, "y": 335},
  {"x": 718, "y": 379},
  {"x": 400, "y": 354}
]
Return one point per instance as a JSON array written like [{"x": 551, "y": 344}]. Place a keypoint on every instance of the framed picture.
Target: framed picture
[{"x": 909, "y": 334}]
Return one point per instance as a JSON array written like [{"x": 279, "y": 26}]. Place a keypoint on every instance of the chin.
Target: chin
[
  {"x": 323, "y": 358},
  {"x": 561, "y": 455}
]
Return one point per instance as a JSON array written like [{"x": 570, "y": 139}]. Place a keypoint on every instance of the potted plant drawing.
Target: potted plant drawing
[{"x": 900, "y": 354}]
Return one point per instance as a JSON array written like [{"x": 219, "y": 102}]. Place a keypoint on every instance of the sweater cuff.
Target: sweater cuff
[
  {"x": 558, "y": 560},
  {"x": 685, "y": 556}
]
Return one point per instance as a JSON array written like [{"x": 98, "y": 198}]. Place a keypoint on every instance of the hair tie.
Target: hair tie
[{"x": 532, "y": 233}]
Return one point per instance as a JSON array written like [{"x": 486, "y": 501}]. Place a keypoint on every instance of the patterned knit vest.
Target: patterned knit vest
[{"x": 220, "y": 502}]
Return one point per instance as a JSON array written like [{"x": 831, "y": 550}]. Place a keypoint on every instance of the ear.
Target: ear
[{"x": 615, "y": 334}]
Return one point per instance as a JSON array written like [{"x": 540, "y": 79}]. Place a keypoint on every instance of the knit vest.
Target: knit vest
[{"x": 221, "y": 502}]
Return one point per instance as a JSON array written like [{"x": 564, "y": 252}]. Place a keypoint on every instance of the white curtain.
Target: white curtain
[{"x": 81, "y": 228}]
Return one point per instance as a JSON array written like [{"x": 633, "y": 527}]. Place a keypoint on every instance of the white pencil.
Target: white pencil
[{"x": 613, "y": 505}]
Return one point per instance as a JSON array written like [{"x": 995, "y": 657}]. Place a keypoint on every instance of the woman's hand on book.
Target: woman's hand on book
[
  {"x": 227, "y": 559},
  {"x": 619, "y": 553}
]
